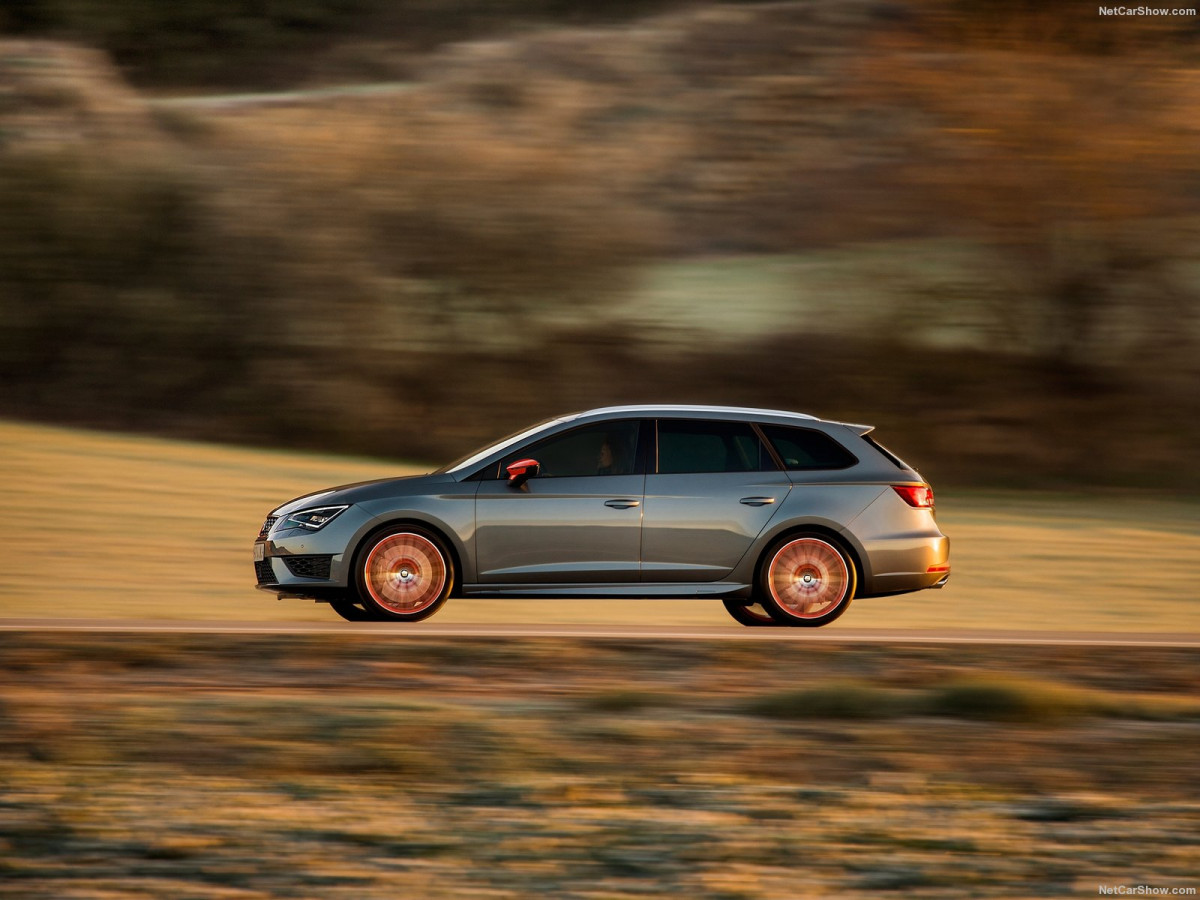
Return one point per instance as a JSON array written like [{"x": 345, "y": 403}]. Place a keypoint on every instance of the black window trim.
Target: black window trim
[{"x": 762, "y": 436}]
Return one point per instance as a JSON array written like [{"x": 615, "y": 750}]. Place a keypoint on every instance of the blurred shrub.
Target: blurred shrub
[
  {"x": 627, "y": 700},
  {"x": 110, "y": 285},
  {"x": 1059, "y": 27},
  {"x": 836, "y": 700},
  {"x": 1010, "y": 699},
  {"x": 274, "y": 42},
  {"x": 999, "y": 698}
]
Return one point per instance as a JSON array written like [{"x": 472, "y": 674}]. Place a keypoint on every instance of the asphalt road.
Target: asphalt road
[{"x": 624, "y": 632}]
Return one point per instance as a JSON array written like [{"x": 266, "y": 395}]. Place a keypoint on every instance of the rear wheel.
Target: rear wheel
[
  {"x": 403, "y": 574},
  {"x": 750, "y": 614},
  {"x": 806, "y": 580}
]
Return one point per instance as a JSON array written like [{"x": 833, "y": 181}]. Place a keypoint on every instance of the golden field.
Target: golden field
[{"x": 109, "y": 525}]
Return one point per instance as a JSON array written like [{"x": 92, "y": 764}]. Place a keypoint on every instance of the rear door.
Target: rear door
[
  {"x": 712, "y": 488},
  {"x": 578, "y": 522}
]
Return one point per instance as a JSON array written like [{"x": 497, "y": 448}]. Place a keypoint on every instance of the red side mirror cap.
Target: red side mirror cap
[{"x": 522, "y": 470}]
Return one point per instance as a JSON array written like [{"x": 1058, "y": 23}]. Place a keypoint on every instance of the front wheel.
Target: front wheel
[
  {"x": 748, "y": 614},
  {"x": 806, "y": 580},
  {"x": 403, "y": 574}
]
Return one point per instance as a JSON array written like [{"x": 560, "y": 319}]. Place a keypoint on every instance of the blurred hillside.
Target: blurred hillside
[{"x": 971, "y": 224}]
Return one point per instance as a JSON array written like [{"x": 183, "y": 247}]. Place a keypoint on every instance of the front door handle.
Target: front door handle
[
  {"x": 622, "y": 504},
  {"x": 757, "y": 501}
]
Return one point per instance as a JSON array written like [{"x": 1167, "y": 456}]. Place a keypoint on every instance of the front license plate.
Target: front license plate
[{"x": 260, "y": 552}]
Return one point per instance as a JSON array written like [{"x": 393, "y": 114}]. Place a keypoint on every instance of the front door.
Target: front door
[{"x": 578, "y": 521}]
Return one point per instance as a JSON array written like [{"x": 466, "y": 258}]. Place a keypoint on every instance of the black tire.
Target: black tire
[
  {"x": 403, "y": 574},
  {"x": 747, "y": 614},
  {"x": 806, "y": 580},
  {"x": 351, "y": 610}
]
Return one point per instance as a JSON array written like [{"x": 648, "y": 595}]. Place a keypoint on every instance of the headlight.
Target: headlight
[{"x": 313, "y": 519}]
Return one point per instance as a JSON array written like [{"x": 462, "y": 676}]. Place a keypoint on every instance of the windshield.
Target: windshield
[{"x": 475, "y": 456}]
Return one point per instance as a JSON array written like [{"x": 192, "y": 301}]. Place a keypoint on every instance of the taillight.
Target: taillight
[{"x": 918, "y": 496}]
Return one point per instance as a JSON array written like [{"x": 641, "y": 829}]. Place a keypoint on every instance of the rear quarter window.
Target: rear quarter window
[
  {"x": 803, "y": 449},
  {"x": 895, "y": 460}
]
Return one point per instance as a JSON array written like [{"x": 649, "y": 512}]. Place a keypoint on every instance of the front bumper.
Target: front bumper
[
  {"x": 304, "y": 562},
  {"x": 273, "y": 570}
]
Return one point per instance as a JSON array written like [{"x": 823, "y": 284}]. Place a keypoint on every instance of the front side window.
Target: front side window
[
  {"x": 605, "y": 448},
  {"x": 688, "y": 445},
  {"x": 807, "y": 449}
]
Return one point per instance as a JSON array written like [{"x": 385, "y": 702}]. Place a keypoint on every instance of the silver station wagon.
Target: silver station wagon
[{"x": 785, "y": 518}]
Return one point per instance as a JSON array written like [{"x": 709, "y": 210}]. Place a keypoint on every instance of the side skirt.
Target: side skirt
[{"x": 634, "y": 589}]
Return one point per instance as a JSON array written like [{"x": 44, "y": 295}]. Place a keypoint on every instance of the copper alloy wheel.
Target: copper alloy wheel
[
  {"x": 808, "y": 578},
  {"x": 404, "y": 573}
]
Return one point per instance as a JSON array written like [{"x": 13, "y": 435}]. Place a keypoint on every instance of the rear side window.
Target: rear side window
[
  {"x": 688, "y": 445},
  {"x": 805, "y": 449}
]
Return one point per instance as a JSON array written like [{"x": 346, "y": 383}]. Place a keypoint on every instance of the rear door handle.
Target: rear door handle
[
  {"x": 757, "y": 501},
  {"x": 622, "y": 504}
]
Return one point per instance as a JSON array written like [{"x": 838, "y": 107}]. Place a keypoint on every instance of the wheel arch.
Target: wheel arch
[{"x": 836, "y": 536}]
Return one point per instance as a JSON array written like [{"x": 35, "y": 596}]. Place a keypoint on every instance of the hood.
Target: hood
[{"x": 360, "y": 491}]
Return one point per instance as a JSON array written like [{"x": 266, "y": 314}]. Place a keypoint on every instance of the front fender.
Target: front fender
[{"x": 451, "y": 514}]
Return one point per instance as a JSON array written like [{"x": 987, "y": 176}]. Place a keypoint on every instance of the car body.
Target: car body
[{"x": 758, "y": 508}]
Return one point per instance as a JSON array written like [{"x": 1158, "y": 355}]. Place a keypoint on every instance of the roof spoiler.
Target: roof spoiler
[{"x": 860, "y": 430}]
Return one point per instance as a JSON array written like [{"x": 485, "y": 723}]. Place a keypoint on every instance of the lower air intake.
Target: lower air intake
[
  {"x": 264, "y": 573},
  {"x": 309, "y": 566}
]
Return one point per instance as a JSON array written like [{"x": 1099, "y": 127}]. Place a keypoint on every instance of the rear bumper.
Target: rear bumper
[{"x": 911, "y": 563}]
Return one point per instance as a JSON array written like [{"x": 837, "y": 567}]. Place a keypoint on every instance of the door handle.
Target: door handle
[
  {"x": 757, "y": 501},
  {"x": 622, "y": 504}
]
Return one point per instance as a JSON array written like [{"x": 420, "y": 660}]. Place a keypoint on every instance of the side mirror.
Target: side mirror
[{"x": 521, "y": 471}]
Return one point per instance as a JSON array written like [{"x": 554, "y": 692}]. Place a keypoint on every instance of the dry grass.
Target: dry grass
[
  {"x": 152, "y": 766},
  {"x": 113, "y": 525},
  {"x": 109, "y": 525}
]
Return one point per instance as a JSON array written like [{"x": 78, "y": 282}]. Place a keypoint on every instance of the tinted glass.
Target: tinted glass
[
  {"x": 803, "y": 448},
  {"x": 686, "y": 445},
  {"x": 897, "y": 461},
  {"x": 607, "y": 448}
]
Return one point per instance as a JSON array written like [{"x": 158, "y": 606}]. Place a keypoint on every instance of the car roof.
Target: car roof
[{"x": 681, "y": 410}]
